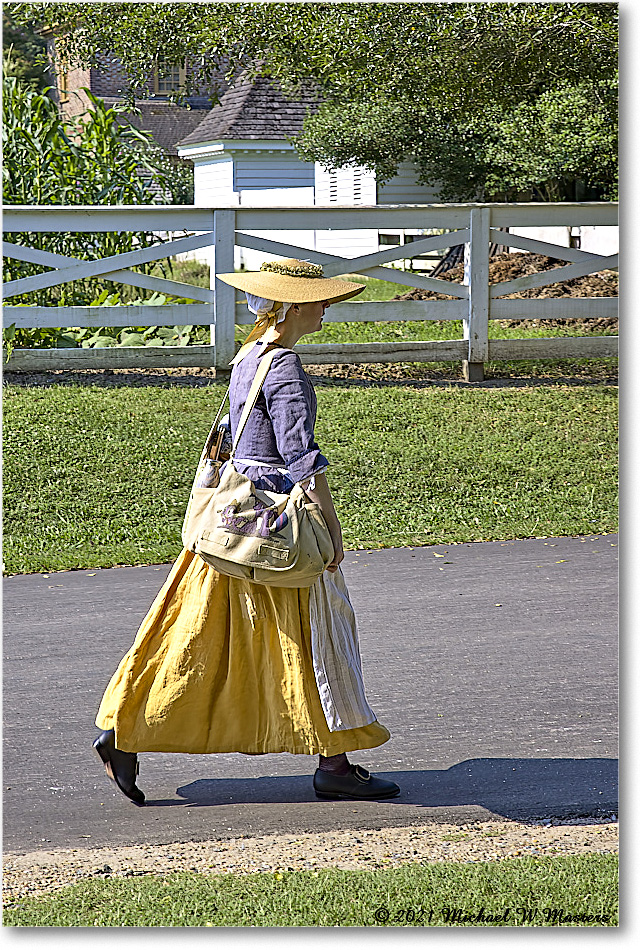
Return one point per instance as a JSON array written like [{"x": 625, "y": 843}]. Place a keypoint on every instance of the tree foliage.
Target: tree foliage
[
  {"x": 458, "y": 54},
  {"x": 487, "y": 98},
  {"x": 560, "y": 146},
  {"x": 27, "y": 60}
]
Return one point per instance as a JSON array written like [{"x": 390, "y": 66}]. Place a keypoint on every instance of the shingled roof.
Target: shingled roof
[
  {"x": 253, "y": 109},
  {"x": 167, "y": 122}
]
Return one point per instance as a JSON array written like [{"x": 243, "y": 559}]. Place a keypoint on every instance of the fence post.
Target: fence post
[
  {"x": 476, "y": 323},
  {"x": 222, "y": 330}
]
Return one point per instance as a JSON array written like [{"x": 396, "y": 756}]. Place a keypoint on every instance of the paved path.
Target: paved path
[{"x": 495, "y": 711}]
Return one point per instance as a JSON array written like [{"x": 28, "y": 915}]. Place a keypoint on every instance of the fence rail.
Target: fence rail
[{"x": 475, "y": 300}]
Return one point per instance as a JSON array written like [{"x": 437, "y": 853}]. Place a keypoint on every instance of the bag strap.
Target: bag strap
[
  {"x": 252, "y": 396},
  {"x": 250, "y": 402},
  {"x": 209, "y": 441}
]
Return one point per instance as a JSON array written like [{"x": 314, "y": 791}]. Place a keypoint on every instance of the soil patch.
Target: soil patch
[
  {"x": 188, "y": 377},
  {"x": 511, "y": 266},
  {"x": 418, "y": 375}
]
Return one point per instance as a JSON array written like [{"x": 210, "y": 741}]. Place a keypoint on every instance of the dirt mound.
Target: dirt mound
[{"x": 510, "y": 266}]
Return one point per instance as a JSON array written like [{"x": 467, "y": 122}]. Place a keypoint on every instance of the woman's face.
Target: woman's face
[{"x": 310, "y": 315}]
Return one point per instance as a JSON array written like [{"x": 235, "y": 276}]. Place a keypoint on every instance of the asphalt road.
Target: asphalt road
[{"x": 494, "y": 666}]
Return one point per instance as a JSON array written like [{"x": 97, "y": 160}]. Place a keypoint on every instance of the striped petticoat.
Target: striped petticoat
[{"x": 335, "y": 654}]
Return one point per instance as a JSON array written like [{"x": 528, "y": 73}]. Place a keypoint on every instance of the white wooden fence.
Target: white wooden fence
[{"x": 475, "y": 303}]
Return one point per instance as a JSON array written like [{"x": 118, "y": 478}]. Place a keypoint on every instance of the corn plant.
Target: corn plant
[{"x": 94, "y": 158}]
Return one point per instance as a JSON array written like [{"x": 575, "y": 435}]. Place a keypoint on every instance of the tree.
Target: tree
[
  {"x": 27, "y": 52},
  {"x": 560, "y": 146},
  {"x": 457, "y": 54},
  {"x": 448, "y": 85}
]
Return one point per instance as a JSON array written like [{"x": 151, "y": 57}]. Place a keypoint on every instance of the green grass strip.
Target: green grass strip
[
  {"x": 96, "y": 477},
  {"x": 400, "y": 330},
  {"x": 568, "y": 891}
]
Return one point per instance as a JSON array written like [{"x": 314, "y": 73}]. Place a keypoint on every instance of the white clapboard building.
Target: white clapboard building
[{"x": 242, "y": 157}]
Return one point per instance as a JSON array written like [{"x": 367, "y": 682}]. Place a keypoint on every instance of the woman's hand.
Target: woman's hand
[
  {"x": 337, "y": 541},
  {"x": 322, "y": 497}
]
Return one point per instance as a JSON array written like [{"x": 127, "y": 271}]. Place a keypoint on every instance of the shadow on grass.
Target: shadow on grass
[{"x": 516, "y": 789}]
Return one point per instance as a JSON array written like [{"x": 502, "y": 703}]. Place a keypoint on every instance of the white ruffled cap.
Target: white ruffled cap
[{"x": 260, "y": 306}]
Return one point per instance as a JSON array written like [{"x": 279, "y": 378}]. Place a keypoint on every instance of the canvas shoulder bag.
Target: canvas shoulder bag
[{"x": 281, "y": 540}]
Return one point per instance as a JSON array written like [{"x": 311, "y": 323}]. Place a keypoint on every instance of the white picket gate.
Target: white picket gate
[{"x": 475, "y": 303}]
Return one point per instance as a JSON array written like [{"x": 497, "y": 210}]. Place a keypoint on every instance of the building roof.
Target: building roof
[
  {"x": 167, "y": 122},
  {"x": 253, "y": 109}
]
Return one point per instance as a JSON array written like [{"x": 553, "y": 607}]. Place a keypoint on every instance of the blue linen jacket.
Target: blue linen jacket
[{"x": 280, "y": 429}]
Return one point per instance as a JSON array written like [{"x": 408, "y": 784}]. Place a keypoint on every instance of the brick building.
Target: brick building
[{"x": 167, "y": 122}]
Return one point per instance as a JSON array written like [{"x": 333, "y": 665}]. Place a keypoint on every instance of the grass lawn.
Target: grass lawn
[
  {"x": 400, "y": 330},
  {"x": 571, "y": 891},
  {"x": 96, "y": 477}
]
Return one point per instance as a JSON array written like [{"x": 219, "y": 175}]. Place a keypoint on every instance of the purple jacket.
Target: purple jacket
[{"x": 280, "y": 429}]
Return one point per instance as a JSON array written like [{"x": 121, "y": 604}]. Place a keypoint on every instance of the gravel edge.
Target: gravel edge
[{"x": 40, "y": 873}]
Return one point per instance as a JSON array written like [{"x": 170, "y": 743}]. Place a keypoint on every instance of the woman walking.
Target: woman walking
[{"x": 222, "y": 664}]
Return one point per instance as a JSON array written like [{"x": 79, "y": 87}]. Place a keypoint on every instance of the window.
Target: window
[
  {"x": 334, "y": 186},
  {"x": 169, "y": 79}
]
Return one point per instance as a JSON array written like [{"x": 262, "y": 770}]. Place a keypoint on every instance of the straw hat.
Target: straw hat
[{"x": 292, "y": 281}]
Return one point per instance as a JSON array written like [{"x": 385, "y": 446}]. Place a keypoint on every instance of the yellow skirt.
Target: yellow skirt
[{"x": 223, "y": 665}]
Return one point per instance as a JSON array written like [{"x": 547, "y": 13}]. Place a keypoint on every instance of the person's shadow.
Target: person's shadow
[{"x": 513, "y": 788}]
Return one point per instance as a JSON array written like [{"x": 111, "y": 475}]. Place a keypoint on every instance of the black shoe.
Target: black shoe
[
  {"x": 358, "y": 783},
  {"x": 121, "y": 767}
]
